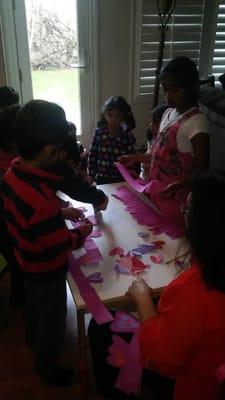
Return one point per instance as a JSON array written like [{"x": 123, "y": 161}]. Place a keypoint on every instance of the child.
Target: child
[
  {"x": 8, "y": 97},
  {"x": 112, "y": 139},
  {"x": 181, "y": 148},
  {"x": 182, "y": 340},
  {"x": 71, "y": 183},
  {"x": 38, "y": 233}
]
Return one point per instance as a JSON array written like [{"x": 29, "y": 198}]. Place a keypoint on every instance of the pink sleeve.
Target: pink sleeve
[{"x": 168, "y": 341}]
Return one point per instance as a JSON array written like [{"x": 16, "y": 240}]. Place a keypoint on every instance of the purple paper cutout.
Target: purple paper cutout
[
  {"x": 144, "y": 248},
  {"x": 143, "y": 235},
  {"x": 96, "y": 277},
  {"x": 124, "y": 322},
  {"x": 121, "y": 269}
]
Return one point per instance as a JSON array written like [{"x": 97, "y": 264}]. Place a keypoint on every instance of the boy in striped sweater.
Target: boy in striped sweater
[{"x": 37, "y": 231}]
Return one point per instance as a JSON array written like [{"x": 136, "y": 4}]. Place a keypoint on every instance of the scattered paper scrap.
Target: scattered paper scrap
[
  {"x": 157, "y": 259},
  {"x": 117, "y": 251},
  {"x": 130, "y": 265},
  {"x": 143, "y": 235},
  {"x": 144, "y": 248},
  {"x": 158, "y": 244},
  {"x": 96, "y": 277},
  {"x": 121, "y": 269}
]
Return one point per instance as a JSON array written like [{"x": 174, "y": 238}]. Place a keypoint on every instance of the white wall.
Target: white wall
[{"x": 116, "y": 55}]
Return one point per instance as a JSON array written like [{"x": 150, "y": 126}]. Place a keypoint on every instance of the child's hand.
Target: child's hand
[
  {"x": 86, "y": 228},
  {"x": 170, "y": 191},
  {"x": 72, "y": 214},
  {"x": 102, "y": 206},
  {"x": 139, "y": 291}
]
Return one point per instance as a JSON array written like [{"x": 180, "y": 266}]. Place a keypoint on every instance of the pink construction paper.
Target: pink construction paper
[
  {"x": 137, "y": 184},
  {"x": 125, "y": 262},
  {"x": 96, "y": 277},
  {"x": 92, "y": 256},
  {"x": 117, "y": 250},
  {"x": 144, "y": 214},
  {"x": 157, "y": 259},
  {"x": 88, "y": 293},
  {"x": 118, "y": 350},
  {"x": 124, "y": 322},
  {"x": 129, "y": 377}
]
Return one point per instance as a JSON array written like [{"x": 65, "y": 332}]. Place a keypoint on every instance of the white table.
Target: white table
[{"x": 120, "y": 229}]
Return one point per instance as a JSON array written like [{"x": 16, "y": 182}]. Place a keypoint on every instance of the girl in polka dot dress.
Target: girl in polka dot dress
[{"x": 112, "y": 139}]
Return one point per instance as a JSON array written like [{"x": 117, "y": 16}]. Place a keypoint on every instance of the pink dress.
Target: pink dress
[{"x": 169, "y": 165}]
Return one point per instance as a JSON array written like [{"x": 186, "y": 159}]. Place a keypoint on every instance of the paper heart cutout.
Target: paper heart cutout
[
  {"x": 96, "y": 277},
  {"x": 124, "y": 322},
  {"x": 118, "y": 352},
  {"x": 116, "y": 251},
  {"x": 157, "y": 259},
  {"x": 121, "y": 269}
]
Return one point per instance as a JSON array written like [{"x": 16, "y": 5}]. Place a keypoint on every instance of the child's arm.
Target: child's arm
[
  {"x": 131, "y": 159},
  {"x": 72, "y": 214},
  {"x": 93, "y": 156},
  {"x": 200, "y": 144}
]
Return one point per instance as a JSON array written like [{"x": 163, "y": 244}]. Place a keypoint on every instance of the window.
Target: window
[
  {"x": 218, "y": 62},
  {"x": 183, "y": 38}
]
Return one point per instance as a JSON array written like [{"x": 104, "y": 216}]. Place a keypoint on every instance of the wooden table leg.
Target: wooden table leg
[{"x": 82, "y": 363}]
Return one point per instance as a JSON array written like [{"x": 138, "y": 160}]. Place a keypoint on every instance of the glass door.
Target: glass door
[{"x": 54, "y": 40}]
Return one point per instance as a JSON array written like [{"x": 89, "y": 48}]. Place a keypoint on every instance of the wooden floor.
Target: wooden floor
[{"x": 17, "y": 380}]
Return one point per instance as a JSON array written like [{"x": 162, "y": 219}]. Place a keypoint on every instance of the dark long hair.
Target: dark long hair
[
  {"x": 7, "y": 120},
  {"x": 206, "y": 227},
  {"x": 184, "y": 73},
  {"x": 118, "y": 103}
]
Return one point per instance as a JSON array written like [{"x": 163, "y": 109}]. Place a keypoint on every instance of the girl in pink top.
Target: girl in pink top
[{"x": 181, "y": 148}]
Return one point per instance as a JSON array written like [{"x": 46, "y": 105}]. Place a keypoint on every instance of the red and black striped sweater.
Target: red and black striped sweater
[{"x": 34, "y": 220}]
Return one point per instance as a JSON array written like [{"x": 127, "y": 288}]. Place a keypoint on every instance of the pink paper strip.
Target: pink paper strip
[
  {"x": 137, "y": 184},
  {"x": 88, "y": 293},
  {"x": 145, "y": 215}
]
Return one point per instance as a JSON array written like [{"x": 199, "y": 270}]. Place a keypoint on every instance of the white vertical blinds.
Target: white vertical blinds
[
  {"x": 183, "y": 37},
  {"x": 218, "y": 66}
]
